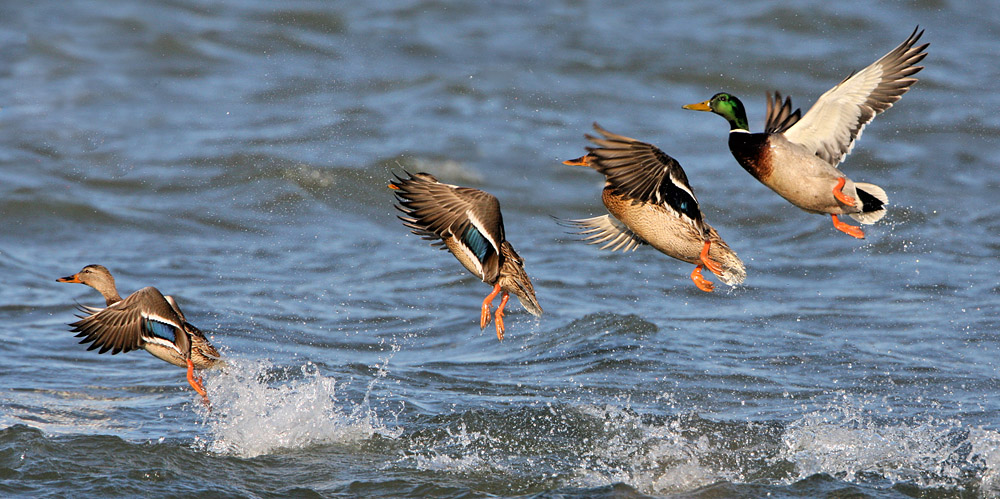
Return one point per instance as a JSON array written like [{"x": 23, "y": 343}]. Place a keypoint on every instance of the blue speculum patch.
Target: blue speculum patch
[
  {"x": 680, "y": 200},
  {"x": 476, "y": 242},
  {"x": 160, "y": 329}
]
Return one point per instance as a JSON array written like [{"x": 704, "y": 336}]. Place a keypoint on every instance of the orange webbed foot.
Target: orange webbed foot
[
  {"x": 839, "y": 194},
  {"x": 712, "y": 265},
  {"x": 700, "y": 281},
  {"x": 484, "y": 316},
  {"x": 499, "y": 316},
  {"x": 196, "y": 383},
  {"x": 499, "y": 324},
  {"x": 848, "y": 229}
]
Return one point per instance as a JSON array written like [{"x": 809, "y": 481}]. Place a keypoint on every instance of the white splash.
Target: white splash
[
  {"x": 458, "y": 452},
  {"x": 255, "y": 413},
  {"x": 986, "y": 447},
  {"x": 652, "y": 458},
  {"x": 847, "y": 439}
]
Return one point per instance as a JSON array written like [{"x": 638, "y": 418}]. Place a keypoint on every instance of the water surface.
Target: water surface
[{"x": 235, "y": 155}]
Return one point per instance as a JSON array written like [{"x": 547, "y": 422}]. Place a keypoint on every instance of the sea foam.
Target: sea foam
[{"x": 257, "y": 409}]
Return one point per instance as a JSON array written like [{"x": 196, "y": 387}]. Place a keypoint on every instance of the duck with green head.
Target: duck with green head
[{"x": 797, "y": 156}]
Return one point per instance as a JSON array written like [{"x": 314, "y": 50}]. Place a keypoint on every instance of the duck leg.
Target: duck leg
[
  {"x": 700, "y": 281},
  {"x": 484, "y": 316},
  {"x": 847, "y": 228},
  {"x": 839, "y": 193},
  {"x": 499, "y": 318},
  {"x": 712, "y": 265},
  {"x": 195, "y": 382}
]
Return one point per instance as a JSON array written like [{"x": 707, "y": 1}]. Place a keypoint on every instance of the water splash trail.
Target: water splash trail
[{"x": 258, "y": 409}]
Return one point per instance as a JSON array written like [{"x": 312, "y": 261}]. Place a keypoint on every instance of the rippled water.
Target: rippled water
[{"x": 235, "y": 155}]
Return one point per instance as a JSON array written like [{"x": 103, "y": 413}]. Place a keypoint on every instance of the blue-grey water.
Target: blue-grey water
[{"x": 235, "y": 154}]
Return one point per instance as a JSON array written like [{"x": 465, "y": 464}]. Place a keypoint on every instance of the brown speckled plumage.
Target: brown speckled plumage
[
  {"x": 469, "y": 224},
  {"x": 650, "y": 202}
]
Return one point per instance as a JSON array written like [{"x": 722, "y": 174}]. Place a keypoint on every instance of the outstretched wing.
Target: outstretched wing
[
  {"x": 145, "y": 316},
  {"x": 837, "y": 119},
  {"x": 639, "y": 171},
  {"x": 779, "y": 115},
  {"x": 437, "y": 211}
]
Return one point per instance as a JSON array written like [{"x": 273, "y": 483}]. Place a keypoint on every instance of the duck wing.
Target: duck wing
[
  {"x": 144, "y": 317},
  {"x": 437, "y": 211},
  {"x": 837, "y": 119},
  {"x": 779, "y": 115},
  {"x": 642, "y": 172}
]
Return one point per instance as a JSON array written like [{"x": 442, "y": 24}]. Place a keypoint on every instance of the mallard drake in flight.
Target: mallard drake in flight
[
  {"x": 651, "y": 202},
  {"x": 146, "y": 319},
  {"x": 467, "y": 222},
  {"x": 798, "y": 157}
]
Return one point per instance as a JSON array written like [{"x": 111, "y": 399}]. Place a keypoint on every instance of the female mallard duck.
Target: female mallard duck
[
  {"x": 146, "y": 319},
  {"x": 650, "y": 201},
  {"x": 468, "y": 223},
  {"x": 798, "y": 157}
]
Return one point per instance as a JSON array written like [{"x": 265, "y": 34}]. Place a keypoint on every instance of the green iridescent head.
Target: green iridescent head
[{"x": 727, "y": 106}]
